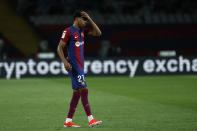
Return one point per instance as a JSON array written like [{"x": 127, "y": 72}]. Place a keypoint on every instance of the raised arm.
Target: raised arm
[
  {"x": 60, "y": 51},
  {"x": 95, "y": 31}
]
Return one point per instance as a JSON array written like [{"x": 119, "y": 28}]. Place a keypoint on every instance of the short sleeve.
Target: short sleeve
[{"x": 66, "y": 35}]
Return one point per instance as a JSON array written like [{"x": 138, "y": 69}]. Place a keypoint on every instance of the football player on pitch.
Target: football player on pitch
[{"x": 73, "y": 40}]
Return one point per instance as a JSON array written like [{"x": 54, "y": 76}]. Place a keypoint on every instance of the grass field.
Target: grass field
[{"x": 164, "y": 103}]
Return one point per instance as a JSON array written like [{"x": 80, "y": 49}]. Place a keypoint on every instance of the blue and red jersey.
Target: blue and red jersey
[{"x": 75, "y": 46}]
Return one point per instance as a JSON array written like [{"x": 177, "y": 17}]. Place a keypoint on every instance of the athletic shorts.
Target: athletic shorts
[{"x": 77, "y": 79}]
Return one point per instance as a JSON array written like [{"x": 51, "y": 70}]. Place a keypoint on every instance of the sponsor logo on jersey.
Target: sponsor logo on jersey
[{"x": 79, "y": 43}]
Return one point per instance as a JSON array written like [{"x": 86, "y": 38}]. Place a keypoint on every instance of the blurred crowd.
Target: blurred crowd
[
  {"x": 33, "y": 7},
  {"x": 128, "y": 11},
  {"x": 45, "y": 15}
]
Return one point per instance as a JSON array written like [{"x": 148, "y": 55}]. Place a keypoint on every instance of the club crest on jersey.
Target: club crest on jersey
[
  {"x": 82, "y": 34},
  {"x": 79, "y": 43}
]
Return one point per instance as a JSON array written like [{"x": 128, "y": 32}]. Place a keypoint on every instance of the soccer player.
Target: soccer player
[{"x": 73, "y": 40}]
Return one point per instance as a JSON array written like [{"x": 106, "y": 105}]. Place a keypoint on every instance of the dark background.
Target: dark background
[{"x": 129, "y": 27}]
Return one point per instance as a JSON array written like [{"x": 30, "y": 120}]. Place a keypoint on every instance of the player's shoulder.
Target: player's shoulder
[{"x": 67, "y": 30}]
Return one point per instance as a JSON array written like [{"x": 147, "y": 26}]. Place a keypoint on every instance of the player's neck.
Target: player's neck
[{"x": 75, "y": 24}]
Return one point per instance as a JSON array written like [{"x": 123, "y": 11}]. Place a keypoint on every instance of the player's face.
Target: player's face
[{"x": 81, "y": 22}]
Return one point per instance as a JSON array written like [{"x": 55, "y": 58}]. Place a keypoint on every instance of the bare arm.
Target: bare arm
[
  {"x": 95, "y": 31},
  {"x": 60, "y": 52}
]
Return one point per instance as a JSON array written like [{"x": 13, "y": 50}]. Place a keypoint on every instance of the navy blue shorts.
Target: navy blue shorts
[{"x": 77, "y": 79}]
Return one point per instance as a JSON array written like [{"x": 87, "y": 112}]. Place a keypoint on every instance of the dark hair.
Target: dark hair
[{"x": 77, "y": 13}]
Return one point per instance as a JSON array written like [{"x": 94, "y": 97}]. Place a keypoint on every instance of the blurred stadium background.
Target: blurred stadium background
[
  {"x": 131, "y": 28},
  {"x": 139, "y": 37}
]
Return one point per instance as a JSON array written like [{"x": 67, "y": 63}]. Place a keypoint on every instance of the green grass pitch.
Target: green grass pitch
[{"x": 149, "y": 103}]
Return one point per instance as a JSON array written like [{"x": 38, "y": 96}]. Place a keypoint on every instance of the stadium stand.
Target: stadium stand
[
  {"x": 132, "y": 28},
  {"x": 129, "y": 12},
  {"x": 15, "y": 28}
]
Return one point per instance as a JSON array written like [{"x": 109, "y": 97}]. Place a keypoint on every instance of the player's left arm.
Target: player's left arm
[{"x": 94, "y": 31}]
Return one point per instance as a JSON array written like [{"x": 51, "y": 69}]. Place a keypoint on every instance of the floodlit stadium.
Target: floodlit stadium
[{"x": 137, "y": 58}]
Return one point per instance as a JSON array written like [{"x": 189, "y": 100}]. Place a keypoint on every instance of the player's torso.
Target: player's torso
[{"x": 76, "y": 48}]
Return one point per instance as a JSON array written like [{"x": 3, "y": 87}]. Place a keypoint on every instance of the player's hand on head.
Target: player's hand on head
[
  {"x": 84, "y": 14},
  {"x": 67, "y": 66}
]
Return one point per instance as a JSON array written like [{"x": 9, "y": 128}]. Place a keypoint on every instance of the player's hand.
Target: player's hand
[
  {"x": 67, "y": 66},
  {"x": 84, "y": 14}
]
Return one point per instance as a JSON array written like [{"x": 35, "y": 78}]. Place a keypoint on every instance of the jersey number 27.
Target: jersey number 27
[{"x": 80, "y": 78}]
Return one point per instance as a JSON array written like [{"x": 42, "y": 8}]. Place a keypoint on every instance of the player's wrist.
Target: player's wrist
[{"x": 65, "y": 61}]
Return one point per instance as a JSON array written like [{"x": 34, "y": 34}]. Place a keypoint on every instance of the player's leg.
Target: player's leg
[
  {"x": 84, "y": 100},
  {"x": 86, "y": 105},
  {"x": 73, "y": 104}
]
